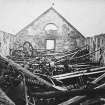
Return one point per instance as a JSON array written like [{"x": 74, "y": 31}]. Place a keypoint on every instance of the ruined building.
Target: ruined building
[
  {"x": 97, "y": 43},
  {"x": 50, "y": 31},
  {"x": 6, "y": 43}
]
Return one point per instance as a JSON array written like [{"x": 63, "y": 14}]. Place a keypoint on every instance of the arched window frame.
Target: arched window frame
[{"x": 53, "y": 25}]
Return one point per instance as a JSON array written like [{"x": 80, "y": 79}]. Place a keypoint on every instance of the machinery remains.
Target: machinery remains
[
  {"x": 56, "y": 63},
  {"x": 39, "y": 89},
  {"x": 69, "y": 79}
]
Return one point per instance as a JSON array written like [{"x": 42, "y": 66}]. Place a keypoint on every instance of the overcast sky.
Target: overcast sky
[{"x": 88, "y": 16}]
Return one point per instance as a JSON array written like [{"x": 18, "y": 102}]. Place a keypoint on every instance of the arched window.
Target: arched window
[{"x": 51, "y": 26}]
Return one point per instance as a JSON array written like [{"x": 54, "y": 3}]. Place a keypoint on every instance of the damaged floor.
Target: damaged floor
[{"x": 65, "y": 78}]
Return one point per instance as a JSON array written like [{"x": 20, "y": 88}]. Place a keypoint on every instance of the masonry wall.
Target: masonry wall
[
  {"x": 66, "y": 38},
  {"x": 6, "y": 43},
  {"x": 96, "y": 43}
]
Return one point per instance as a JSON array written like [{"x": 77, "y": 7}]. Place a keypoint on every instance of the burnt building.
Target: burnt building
[
  {"x": 97, "y": 43},
  {"x": 6, "y": 43},
  {"x": 50, "y": 31}
]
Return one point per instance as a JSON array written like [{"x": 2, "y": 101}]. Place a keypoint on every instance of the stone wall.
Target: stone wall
[
  {"x": 65, "y": 35},
  {"x": 6, "y": 43},
  {"x": 96, "y": 43}
]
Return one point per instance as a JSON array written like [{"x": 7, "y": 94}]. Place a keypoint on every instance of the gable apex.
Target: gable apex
[
  {"x": 56, "y": 12},
  {"x": 51, "y": 8},
  {"x": 66, "y": 21}
]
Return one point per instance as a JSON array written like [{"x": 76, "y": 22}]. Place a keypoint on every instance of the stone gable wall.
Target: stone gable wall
[{"x": 66, "y": 37}]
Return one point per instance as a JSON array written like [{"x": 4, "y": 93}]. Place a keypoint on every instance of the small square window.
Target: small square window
[{"x": 50, "y": 44}]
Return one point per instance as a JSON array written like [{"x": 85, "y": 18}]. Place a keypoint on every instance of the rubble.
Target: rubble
[{"x": 70, "y": 79}]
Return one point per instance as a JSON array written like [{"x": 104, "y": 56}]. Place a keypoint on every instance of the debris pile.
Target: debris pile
[{"x": 67, "y": 78}]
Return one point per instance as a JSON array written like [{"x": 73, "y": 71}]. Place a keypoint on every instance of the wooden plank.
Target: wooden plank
[
  {"x": 4, "y": 99},
  {"x": 78, "y": 99},
  {"x": 28, "y": 73},
  {"x": 75, "y": 100}
]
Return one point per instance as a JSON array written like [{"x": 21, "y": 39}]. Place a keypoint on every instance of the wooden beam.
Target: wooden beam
[{"x": 4, "y": 99}]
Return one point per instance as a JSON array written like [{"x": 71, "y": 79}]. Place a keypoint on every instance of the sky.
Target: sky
[{"x": 87, "y": 16}]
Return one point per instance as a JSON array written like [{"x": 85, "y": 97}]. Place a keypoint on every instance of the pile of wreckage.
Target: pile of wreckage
[{"x": 65, "y": 78}]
